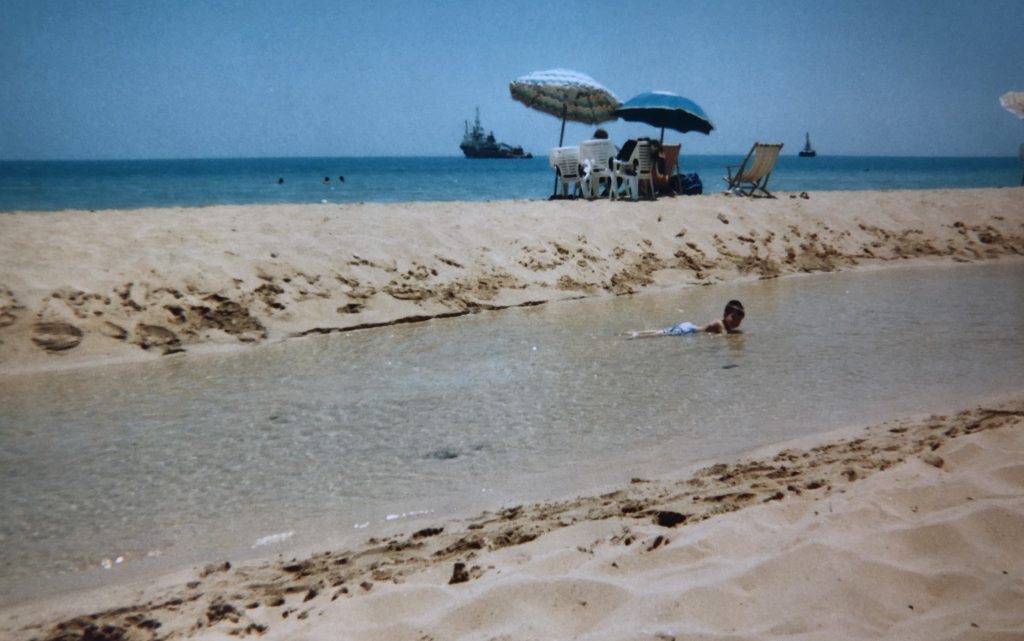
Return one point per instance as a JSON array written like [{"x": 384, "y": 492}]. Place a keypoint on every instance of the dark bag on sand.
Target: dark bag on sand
[{"x": 687, "y": 184}]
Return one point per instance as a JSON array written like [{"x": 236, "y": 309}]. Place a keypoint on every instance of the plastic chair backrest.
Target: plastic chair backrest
[
  {"x": 566, "y": 160},
  {"x": 553, "y": 157},
  {"x": 642, "y": 157},
  {"x": 599, "y": 152}
]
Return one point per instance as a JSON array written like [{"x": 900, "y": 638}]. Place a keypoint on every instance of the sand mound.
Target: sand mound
[{"x": 141, "y": 284}]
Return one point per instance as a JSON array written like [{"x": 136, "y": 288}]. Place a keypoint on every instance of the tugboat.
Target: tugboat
[
  {"x": 808, "y": 151},
  {"x": 476, "y": 145}
]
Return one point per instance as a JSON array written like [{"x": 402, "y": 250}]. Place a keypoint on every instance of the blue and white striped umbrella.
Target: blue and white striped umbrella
[
  {"x": 567, "y": 94},
  {"x": 666, "y": 110}
]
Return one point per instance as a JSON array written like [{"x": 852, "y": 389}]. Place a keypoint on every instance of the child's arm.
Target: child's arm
[
  {"x": 717, "y": 327},
  {"x": 647, "y": 333}
]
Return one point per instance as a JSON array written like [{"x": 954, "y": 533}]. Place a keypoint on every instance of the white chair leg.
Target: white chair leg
[{"x": 626, "y": 189}]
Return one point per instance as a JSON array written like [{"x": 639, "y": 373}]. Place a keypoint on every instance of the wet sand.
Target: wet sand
[
  {"x": 905, "y": 530},
  {"x": 78, "y": 288}
]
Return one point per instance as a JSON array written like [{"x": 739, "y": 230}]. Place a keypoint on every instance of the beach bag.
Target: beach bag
[{"x": 687, "y": 184}]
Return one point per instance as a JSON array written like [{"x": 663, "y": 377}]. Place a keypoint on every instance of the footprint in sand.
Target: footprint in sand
[
  {"x": 56, "y": 336},
  {"x": 9, "y": 308},
  {"x": 114, "y": 331},
  {"x": 156, "y": 336},
  {"x": 406, "y": 291}
]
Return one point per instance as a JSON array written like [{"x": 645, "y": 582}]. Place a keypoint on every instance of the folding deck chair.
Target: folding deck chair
[
  {"x": 752, "y": 174},
  {"x": 670, "y": 158}
]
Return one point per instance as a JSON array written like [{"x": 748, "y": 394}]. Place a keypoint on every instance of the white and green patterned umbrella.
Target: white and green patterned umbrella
[
  {"x": 1013, "y": 102},
  {"x": 566, "y": 94}
]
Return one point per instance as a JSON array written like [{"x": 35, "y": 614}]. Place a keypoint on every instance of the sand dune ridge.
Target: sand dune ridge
[{"x": 81, "y": 287}]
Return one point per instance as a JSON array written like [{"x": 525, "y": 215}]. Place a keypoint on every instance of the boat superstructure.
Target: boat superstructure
[
  {"x": 808, "y": 151},
  {"x": 476, "y": 144}
]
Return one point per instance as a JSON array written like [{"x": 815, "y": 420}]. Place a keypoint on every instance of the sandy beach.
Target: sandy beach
[
  {"x": 80, "y": 287},
  {"x": 906, "y": 530},
  {"x": 902, "y": 530}
]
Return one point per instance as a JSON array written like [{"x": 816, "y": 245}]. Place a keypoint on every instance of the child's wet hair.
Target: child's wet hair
[{"x": 735, "y": 307}]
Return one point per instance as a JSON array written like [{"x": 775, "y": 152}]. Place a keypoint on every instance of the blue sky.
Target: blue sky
[{"x": 223, "y": 78}]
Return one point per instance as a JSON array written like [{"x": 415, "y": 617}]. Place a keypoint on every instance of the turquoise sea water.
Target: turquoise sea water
[{"x": 56, "y": 185}]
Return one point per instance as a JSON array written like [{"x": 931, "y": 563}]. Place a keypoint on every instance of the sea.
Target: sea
[{"x": 129, "y": 184}]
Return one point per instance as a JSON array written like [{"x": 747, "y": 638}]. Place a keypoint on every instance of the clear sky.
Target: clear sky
[{"x": 225, "y": 78}]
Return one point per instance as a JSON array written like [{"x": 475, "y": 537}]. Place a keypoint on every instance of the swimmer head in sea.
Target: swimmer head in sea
[{"x": 728, "y": 324}]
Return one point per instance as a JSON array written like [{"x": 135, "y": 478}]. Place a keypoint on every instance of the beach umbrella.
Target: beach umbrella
[
  {"x": 667, "y": 111},
  {"x": 1013, "y": 101},
  {"x": 566, "y": 94}
]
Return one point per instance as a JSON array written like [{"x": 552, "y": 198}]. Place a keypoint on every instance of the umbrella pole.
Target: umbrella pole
[
  {"x": 662, "y": 141},
  {"x": 561, "y": 138}
]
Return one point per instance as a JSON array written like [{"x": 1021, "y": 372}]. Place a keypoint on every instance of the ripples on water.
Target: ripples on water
[{"x": 190, "y": 458}]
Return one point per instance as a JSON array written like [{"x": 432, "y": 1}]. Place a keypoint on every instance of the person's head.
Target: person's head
[
  {"x": 600, "y": 134},
  {"x": 733, "y": 315}
]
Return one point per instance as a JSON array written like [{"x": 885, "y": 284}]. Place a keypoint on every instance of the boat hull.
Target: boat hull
[{"x": 472, "y": 152}]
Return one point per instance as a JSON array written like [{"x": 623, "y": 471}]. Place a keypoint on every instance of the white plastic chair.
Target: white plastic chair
[
  {"x": 566, "y": 162},
  {"x": 639, "y": 166},
  {"x": 599, "y": 153}
]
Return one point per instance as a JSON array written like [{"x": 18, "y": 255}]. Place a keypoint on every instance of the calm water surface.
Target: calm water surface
[
  {"x": 120, "y": 184},
  {"x": 189, "y": 460}
]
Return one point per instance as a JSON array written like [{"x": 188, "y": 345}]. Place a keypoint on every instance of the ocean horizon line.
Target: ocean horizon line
[{"x": 459, "y": 156}]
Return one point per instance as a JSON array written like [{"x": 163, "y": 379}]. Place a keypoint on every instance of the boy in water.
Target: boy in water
[{"x": 729, "y": 324}]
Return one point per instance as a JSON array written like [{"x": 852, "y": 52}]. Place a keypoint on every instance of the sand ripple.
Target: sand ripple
[{"x": 921, "y": 542}]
